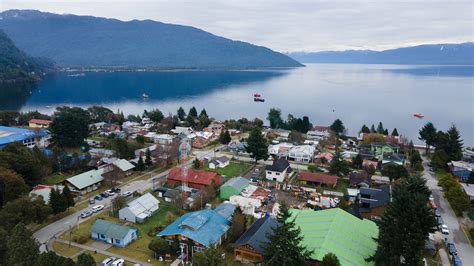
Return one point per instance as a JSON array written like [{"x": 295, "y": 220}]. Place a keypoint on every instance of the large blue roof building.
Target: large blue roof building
[{"x": 28, "y": 137}]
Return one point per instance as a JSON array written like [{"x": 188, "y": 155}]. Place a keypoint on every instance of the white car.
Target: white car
[
  {"x": 86, "y": 214},
  {"x": 119, "y": 262},
  {"x": 108, "y": 261},
  {"x": 97, "y": 208},
  {"x": 444, "y": 229},
  {"x": 110, "y": 192},
  {"x": 127, "y": 193}
]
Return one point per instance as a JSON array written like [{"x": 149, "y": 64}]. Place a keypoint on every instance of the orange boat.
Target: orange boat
[
  {"x": 257, "y": 95},
  {"x": 418, "y": 115}
]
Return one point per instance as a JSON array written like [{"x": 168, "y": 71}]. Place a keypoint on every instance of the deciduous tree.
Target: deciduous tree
[
  {"x": 330, "y": 259},
  {"x": 274, "y": 117},
  {"x": 22, "y": 248},
  {"x": 85, "y": 260},
  {"x": 428, "y": 134},
  {"x": 12, "y": 185},
  {"x": 394, "y": 171},
  {"x": 212, "y": 256}
]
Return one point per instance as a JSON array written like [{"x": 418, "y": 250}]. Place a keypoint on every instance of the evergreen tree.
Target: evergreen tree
[
  {"x": 380, "y": 128},
  {"x": 203, "y": 113},
  {"x": 385, "y": 132},
  {"x": 395, "y": 132},
  {"x": 3, "y": 245},
  {"x": 428, "y": 134},
  {"x": 454, "y": 148},
  {"x": 284, "y": 246},
  {"x": 274, "y": 117},
  {"x": 306, "y": 125},
  {"x": 22, "y": 248},
  {"x": 155, "y": 115},
  {"x": 181, "y": 114},
  {"x": 338, "y": 165},
  {"x": 238, "y": 224},
  {"x": 225, "y": 137},
  {"x": 52, "y": 259},
  {"x": 439, "y": 159},
  {"x": 85, "y": 260},
  {"x": 364, "y": 129},
  {"x": 140, "y": 164},
  {"x": 57, "y": 201},
  {"x": 68, "y": 197},
  {"x": 338, "y": 127},
  {"x": 357, "y": 162},
  {"x": 394, "y": 171},
  {"x": 330, "y": 259},
  {"x": 372, "y": 129},
  {"x": 148, "y": 160},
  {"x": 193, "y": 112},
  {"x": 70, "y": 126},
  {"x": 408, "y": 214},
  {"x": 257, "y": 145},
  {"x": 196, "y": 163},
  {"x": 212, "y": 256}
]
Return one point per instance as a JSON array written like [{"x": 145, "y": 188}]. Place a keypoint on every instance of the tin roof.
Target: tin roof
[
  {"x": 86, "y": 179},
  {"x": 110, "y": 230}
]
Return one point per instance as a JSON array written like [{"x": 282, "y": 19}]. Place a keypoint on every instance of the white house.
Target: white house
[
  {"x": 220, "y": 162},
  {"x": 139, "y": 209},
  {"x": 247, "y": 205},
  {"x": 302, "y": 153},
  {"x": 182, "y": 131},
  {"x": 319, "y": 132},
  {"x": 278, "y": 171},
  {"x": 280, "y": 150}
]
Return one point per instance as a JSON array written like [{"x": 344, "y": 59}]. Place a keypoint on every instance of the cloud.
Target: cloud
[{"x": 292, "y": 25}]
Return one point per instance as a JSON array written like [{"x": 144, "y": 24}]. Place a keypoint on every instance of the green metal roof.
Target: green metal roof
[
  {"x": 110, "y": 229},
  {"x": 86, "y": 179},
  {"x": 339, "y": 232}
]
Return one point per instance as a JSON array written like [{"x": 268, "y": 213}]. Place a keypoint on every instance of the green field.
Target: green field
[
  {"x": 55, "y": 179},
  {"x": 234, "y": 169}
]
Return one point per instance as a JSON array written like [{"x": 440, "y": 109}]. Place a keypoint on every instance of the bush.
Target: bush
[
  {"x": 471, "y": 233},
  {"x": 79, "y": 239}
]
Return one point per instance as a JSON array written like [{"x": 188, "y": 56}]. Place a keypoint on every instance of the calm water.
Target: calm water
[{"x": 358, "y": 94}]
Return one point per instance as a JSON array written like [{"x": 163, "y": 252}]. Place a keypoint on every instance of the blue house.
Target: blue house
[
  {"x": 28, "y": 137},
  {"x": 200, "y": 229},
  {"x": 117, "y": 235},
  {"x": 461, "y": 169}
]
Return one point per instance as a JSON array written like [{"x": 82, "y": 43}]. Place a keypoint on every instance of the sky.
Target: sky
[{"x": 292, "y": 25}]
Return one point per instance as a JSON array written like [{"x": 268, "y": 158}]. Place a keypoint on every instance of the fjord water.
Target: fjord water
[{"x": 357, "y": 94}]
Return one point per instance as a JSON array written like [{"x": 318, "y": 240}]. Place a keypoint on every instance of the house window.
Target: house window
[
  {"x": 117, "y": 241},
  {"x": 198, "y": 249},
  {"x": 269, "y": 173},
  {"x": 102, "y": 236},
  {"x": 274, "y": 179},
  {"x": 277, "y": 173}
]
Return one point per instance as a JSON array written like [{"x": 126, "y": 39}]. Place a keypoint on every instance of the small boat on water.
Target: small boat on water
[
  {"x": 77, "y": 75},
  {"x": 257, "y": 97},
  {"x": 418, "y": 115},
  {"x": 145, "y": 96}
]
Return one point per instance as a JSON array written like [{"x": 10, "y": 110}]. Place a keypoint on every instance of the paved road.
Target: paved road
[
  {"x": 456, "y": 234},
  {"x": 47, "y": 233}
]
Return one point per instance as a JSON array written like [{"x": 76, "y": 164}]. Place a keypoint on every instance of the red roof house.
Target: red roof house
[
  {"x": 318, "y": 178},
  {"x": 195, "y": 178}
]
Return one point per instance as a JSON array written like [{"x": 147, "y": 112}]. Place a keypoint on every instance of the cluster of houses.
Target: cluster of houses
[{"x": 464, "y": 171}]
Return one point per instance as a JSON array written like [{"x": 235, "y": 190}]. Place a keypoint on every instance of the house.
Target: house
[
  {"x": 142, "y": 152},
  {"x": 44, "y": 191},
  {"x": 302, "y": 153},
  {"x": 319, "y": 132},
  {"x": 279, "y": 134},
  {"x": 220, "y": 162},
  {"x": 184, "y": 131},
  {"x": 198, "y": 230},
  {"x": 86, "y": 182},
  {"x": 380, "y": 149},
  {"x": 138, "y": 210},
  {"x": 327, "y": 156},
  {"x": 28, "y": 137},
  {"x": 200, "y": 142},
  {"x": 393, "y": 159},
  {"x": 369, "y": 164},
  {"x": 460, "y": 169},
  {"x": 248, "y": 206},
  {"x": 215, "y": 127},
  {"x": 278, "y": 170},
  {"x": 236, "y": 146},
  {"x": 336, "y": 231},
  {"x": 359, "y": 179},
  {"x": 318, "y": 178},
  {"x": 99, "y": 152},
  {"x": 280, "y": 150},
  {"x": 194, "y": 178},
  {"x": 248, "y": 249},
  {"x": 226, "y": 210},
  {"x": 111, "y": 233},
  {"x": 125, "y": 166},
  {"x": 39, "y": 123},
  {"x": 377, "y": 180},
  {"x": 469, "y": 190},
  {"x": 371, "y": 202},
  {"x": 233, "y": 187}
]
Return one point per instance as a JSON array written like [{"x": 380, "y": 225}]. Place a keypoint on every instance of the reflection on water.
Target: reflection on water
[{"x": 358, "y": 94}]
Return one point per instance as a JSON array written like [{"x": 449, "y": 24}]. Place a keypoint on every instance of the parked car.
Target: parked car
[
  {"x": 98, "y": 208},
  {"x": 456, "y": 260},
  {"x": 110, "y": 192},
  {"x": 86, "y": 214},
  {"x": 116, "y": 189},
  {"x": 108, "y": 261},
  {"x": 119, "y": 262},
  {"x": 444, "y": 229},
  {"x": 91, "y": 200},
  {"x": 451, "y": 248},
  {"x": 437, "y": 213},
  {"x": 104, "y": 195},
  {"x": 127, "y": 193},
  {"x": 98, "y": 197},
  {"x": 440, "y": 222}
]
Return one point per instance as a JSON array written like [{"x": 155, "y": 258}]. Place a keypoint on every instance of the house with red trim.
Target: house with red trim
[
  {"x": 318, "y": 178},
  {"x": 195, "y": 178},
  {"x": 39, "y": 123}
]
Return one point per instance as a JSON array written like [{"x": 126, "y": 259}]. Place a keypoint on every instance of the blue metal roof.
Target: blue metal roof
[
  {"x": 205, "y": 227},
  {"x": 226, "y": 210},
  {"x": 13, "y": 134}
]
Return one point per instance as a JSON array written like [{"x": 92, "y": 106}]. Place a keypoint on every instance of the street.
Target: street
[{"x": 456, "y": 234}]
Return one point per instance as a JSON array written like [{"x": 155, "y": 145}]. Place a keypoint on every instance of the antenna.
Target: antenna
[{"x": 184, "y": 151}]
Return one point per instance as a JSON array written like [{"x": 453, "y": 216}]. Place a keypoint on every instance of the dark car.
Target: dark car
[
  {"x": 452, "y": 248},
  {"x": 437, "y": 213},
  {"x": 104, "y": 195},
  {"x": 115, "y": 189},
  {"x": 98, "y": 197}
]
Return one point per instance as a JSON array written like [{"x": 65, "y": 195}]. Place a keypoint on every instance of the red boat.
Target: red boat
[
  {"x": 257, "y": 95},
  {"x": 418, "y": 115}
]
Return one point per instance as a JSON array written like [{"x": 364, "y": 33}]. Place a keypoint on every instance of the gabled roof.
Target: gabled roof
[
  {"x": 374, "y": 197},
  {"x": 279, "y": 165},
  {"x": 143, "y": 206},
  {"x": 13, "y": 134},
  {"x": 238, "y": 182},
  {"x": 256, "y": 235},
  {"x": 194, "y": 176},
  {"x": 318, "y": 178},
  {"x": 222, "y": 159},
  {"x": 226, "y": 210},
  {"x": 40, "y": 121},
  {"x": 124, "y": 165},
  {"x": 86, "y": 179},
  {"x": 110, "y": 230},
  {"x": 334, "y": 230},
  {"x": 205, "y": 227}
]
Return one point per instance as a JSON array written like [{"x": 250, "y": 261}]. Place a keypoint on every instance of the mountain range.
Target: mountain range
[
  {"x": 85, "y": 41},
  {"x": 428, "y": 54}
]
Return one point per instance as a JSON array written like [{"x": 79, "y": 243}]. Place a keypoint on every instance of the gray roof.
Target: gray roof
[
  {"x": 374, "y": 197},
  {"x": 223, "y": 159},
  {"x": 278, "y": 166},
  {"x": 86, "y": 179},
  {"x": 237, "y": 182},
  {"x": 124, "y": 165},
  {"x": 256, "y": 236},
  {"x": 144, "y": 205},
  {"x": 110, "y": 230}
]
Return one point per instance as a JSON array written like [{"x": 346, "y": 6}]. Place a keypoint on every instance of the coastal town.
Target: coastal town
[{"x": 94, "y": 186}]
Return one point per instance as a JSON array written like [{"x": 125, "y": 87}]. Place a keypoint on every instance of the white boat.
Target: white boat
[{"x": 145, "y": 96}]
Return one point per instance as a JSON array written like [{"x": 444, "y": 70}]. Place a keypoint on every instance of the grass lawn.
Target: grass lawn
[
  {"x": 55, "y": 178},
  {"x": 341, "y": 185},
  {"x": 234, "y": 169},
  {"x": 98, "y": 257},
  {"x": 65, "y": 250}
]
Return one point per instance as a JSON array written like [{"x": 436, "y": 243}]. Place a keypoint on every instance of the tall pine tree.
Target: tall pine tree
[
  {"x": 148, "y": 160},
  {"x": 257, "y": 145},
  {"x": 284, "y": 245},
  {"x": 68, "y": 197}
]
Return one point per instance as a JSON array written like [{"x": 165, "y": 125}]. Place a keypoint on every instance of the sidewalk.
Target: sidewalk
[{"x": 107, "y": 253}]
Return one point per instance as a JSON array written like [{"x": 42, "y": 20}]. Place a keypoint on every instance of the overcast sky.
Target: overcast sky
[{"x": 292, "y": 25}]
